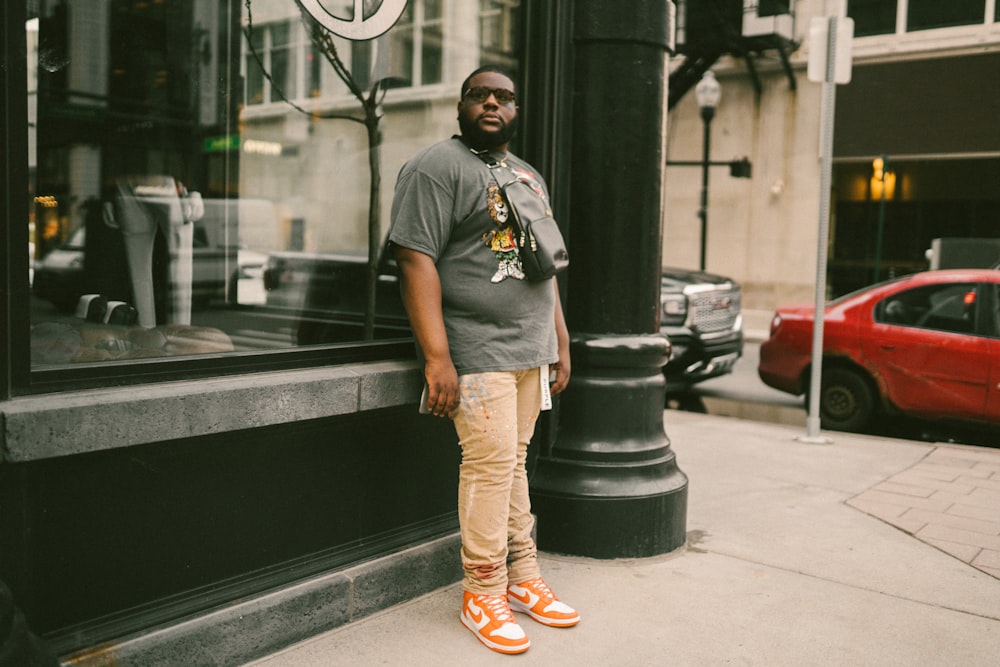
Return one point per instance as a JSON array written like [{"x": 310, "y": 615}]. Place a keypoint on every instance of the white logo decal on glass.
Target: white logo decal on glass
[{"x": 360, "y": 27}]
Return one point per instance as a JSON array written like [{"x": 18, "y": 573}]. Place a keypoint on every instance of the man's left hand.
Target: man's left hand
[{"x": 561, "y": 369}]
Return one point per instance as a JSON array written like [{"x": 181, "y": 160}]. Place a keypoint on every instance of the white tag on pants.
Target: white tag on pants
[{"x": 543, "y": 375}]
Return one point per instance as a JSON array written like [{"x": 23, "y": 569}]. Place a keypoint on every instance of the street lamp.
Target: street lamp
[{"x": 708, "y": 94}]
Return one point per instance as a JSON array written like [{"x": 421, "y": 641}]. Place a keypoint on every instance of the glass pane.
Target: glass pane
[
  {"x": 432, "y": 53},
  {"x": 773, "y": 7},
  {"x": 255, "y": 68},
  {"x": 315, "y": 64},
  {"x": 280, "y": 35},
  {"x": 499, "y": 37},
  {"x": 34, "y": 220},
  {"x": 282, "y": 83},
  {"x": 401, "y": 55},
  {"x": 872, "y": 17},
  {"x": 361, "y": 64},
  {"x": 181, "y": 207},
  {"x": 257, "y": 38},
  {"x": 939, "y": 307},
  {"x": 432, "y": 9},
  {"x": 926, "y": 14},
  {"x": 254, "y": 82}
]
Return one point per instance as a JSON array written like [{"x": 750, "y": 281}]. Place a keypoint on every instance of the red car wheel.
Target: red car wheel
[{"x": 847, "y": 402}]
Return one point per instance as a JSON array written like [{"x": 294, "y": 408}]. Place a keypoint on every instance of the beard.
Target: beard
[{"x": 479, "y": 138}]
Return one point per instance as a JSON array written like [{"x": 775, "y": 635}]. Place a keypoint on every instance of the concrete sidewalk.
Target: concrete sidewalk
[{"x": 865, "y": 551}]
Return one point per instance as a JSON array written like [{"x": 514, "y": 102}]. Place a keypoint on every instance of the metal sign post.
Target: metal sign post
[{"x": 831, "y": 67}]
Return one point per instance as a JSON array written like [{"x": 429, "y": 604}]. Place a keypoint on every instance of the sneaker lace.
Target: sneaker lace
[
  {"x": 542, "y": 589},
  {"x": 497, "y": 606}
]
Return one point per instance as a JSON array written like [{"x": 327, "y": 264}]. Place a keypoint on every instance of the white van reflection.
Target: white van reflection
[
  {"x": 214, "y": 239},
  {"x": 230, "y": 248}
]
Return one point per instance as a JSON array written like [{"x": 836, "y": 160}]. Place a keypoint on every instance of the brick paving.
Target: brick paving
[{"x": 950, "y": 500}]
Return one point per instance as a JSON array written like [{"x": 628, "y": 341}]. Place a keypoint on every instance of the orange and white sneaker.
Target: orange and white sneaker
[
  {"x": 534, "y": 598},
  {"x": 489, "y": 618}
]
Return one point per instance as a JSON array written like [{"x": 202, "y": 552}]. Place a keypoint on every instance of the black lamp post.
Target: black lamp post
[
  {"x": 609, "y": 486},
  {"x": 708, "y": 94}
]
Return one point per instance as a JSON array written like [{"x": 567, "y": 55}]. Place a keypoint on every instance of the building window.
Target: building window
[
  {"x": 882, "y": 17},
  {"x": 873, "y": 17},
  {"x": 416, "y": 44},
  {"x": 282, "y": 63},
  {"x": 928, "y": 14},
  {"x": 409, "y": 56},
  {"x": 499, "y": 34},
  {"x": 256, "y": 91},
  {"x": 773, "y": 7}
]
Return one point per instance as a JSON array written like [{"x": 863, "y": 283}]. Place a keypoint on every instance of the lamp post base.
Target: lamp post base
[
  {"x": 610, "y": 486},
  {"x": 607, "y": 528}
]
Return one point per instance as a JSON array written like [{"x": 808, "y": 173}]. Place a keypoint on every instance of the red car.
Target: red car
[{"x": 926, "y": 345}]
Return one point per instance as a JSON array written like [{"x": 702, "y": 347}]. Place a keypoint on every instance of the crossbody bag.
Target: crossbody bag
[{"x": 539, "y": 242}]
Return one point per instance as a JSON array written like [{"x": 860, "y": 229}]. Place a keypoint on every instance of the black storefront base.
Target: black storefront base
[
  {"x": 252, "y": 628},
  {"x": 19, "y": 646},
  {"x": 334, "y": 500}
]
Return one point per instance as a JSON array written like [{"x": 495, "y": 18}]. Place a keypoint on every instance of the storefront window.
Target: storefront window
[{"x": 200, "y": 175}]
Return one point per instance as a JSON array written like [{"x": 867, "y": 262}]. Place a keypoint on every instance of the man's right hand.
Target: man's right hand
[{"x": 443, "y": 394}]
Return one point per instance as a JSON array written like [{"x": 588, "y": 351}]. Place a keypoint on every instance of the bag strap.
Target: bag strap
[
  {"x": 494, "y": 166},
  {"x": 486, "y": 157}
]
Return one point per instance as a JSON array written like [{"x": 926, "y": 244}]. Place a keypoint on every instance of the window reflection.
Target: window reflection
[{"x": 200, "y": 182}]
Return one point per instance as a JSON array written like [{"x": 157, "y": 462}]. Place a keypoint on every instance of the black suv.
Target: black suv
[{"x": 700, "y": 314}]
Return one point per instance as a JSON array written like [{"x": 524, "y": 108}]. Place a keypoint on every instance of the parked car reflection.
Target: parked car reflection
[
  {"x": 222, "y": 258},
  {"x": 926, "y": 345},
  {"x": 699, "y": 312}
]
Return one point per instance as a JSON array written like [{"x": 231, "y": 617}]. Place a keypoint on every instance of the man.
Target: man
[{"x": 488, "y": 339}]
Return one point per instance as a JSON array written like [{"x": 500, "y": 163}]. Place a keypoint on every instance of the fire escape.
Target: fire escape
[{"x": 746, "y": 29}]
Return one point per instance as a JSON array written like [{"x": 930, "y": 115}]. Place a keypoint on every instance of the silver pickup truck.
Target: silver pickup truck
[{"x": 700, "y": 314}]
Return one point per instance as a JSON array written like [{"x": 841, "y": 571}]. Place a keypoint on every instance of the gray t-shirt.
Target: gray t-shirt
[{"x": 447, "y": 206}]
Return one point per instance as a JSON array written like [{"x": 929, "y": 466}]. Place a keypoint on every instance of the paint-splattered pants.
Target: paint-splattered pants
[{"x": 495, "y": 422}]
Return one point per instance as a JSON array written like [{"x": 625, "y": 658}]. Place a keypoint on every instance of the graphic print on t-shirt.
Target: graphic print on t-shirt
[
  {"x": 529, "y": 178},
  {"x": 501, "y": 240}
]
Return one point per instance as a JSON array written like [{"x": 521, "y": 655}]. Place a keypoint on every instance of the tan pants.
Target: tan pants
[{"x": 495, "y": 422}]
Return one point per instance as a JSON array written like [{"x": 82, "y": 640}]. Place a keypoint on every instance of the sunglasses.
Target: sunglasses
[{"x": 480, "y": 94}]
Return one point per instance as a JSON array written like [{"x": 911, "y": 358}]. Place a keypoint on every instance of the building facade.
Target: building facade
[
  {"x": 914, "y": 124},
  {"x": 210, "y": 442},
  {"x": 209, "y": 430}
]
